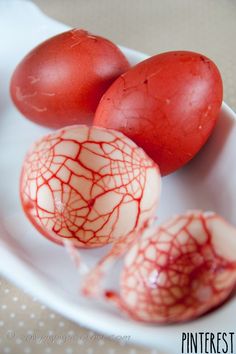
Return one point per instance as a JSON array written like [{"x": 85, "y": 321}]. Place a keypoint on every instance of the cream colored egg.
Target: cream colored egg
[{"x": 88, "y": 184}]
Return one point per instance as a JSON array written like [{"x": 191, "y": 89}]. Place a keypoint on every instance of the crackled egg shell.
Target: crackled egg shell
[
  {"x": 61, "y": 81},
  {"x": 167, "y": 104},
  {"x": 180, "y": 270},
  {"x": 89, "y": 185}
]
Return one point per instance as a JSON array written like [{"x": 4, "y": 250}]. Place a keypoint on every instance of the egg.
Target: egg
[
  {"x": 167, "y": 104},
  {"x": 179, "y": 270},
  {"x": 61, "y": 81},
  {"x": 91, "y": 186}
]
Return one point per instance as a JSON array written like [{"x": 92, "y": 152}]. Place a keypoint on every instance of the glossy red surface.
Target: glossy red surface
[
  {"x": 168, "y": 104},
  {"x": 61, "y": 81}
]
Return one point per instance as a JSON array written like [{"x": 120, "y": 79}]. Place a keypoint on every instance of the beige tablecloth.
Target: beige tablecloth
[{"x": 151, "y": 26}]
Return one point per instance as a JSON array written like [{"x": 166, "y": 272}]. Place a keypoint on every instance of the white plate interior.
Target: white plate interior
[{"x": 34, "y": 263}]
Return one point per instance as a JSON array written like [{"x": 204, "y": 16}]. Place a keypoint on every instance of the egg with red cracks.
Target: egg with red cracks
[
  {"x": 168, "y": 104},
  {"x": 88, "y": 185},
  {"x": 61, "y": 81},
  {"x": 179, "y": 270}
]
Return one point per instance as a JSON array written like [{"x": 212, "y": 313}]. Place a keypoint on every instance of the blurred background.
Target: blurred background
[{"x": 154, "y": 26}]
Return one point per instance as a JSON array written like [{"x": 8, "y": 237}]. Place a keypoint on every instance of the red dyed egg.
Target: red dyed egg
[
  {"x": 61, "y": 81},
  {"x": 168, "y": 104}
]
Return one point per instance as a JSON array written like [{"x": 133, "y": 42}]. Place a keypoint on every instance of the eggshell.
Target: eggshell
[
  {"x": 61, "y": 81},
  {"x": 168, "y": 104}
]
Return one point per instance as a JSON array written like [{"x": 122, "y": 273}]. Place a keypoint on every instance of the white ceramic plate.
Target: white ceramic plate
[{"x": 33, "y": 263}]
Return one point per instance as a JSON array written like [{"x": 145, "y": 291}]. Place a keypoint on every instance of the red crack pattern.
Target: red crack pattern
[
  {"x": 88, "y": 185},
  {"x": 92, "y": 284},
  {"x": 180, "y": 270}
]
